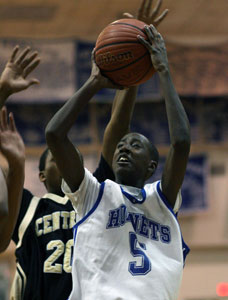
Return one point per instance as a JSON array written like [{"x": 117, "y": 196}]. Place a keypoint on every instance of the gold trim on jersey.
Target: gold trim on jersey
[
  {"x": 18, "y": 285},
  {"x": 56, "y": 198},
  {"x": 27, "y": 219}
]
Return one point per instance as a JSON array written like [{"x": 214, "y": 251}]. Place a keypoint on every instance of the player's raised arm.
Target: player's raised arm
[
  {"x": 14, "y": 76},
  {"x": 12, "y": 147},
  {"x": 124, "y": 101},
  {"x": 119, "y": 124},
  {"x": 67, "y": 157},
  {"x": 176, "y": 162},
  {"x": 3, "y": 201}
]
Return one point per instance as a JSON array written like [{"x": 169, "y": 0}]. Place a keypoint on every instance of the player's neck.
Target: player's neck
[{"x": 131, "y": 182}]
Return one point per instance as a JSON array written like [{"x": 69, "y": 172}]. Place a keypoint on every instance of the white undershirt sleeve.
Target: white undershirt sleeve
[{"x": 84, "y": 198}]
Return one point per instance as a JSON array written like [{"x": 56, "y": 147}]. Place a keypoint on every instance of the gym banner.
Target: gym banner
[
  {"x": 199, "y": 70},
  {"x": 56, "y": 71},
  {"x": 194, "y": 188},
  {"x": 66, "y": 64}
]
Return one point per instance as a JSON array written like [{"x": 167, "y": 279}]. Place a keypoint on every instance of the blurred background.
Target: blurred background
[{"x": 196, "y": 36}]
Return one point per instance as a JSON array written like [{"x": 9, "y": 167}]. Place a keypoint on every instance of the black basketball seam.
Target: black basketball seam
[
  {"x": 143, "y": 75},
  {"x": 128, "y": 25},
  {"x": 117, "y": 43},
  {"x": 139, "y": 58}
]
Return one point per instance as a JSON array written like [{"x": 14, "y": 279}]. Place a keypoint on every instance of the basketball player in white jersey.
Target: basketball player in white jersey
[{"x": 127, "y": 241}]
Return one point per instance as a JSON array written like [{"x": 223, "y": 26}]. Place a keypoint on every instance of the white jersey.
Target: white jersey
[{"x": 127, "y": 243}]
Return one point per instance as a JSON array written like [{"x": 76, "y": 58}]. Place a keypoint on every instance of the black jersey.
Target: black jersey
[{"x": 44, "y": 240}]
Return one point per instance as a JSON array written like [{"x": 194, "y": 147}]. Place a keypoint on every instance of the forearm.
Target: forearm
[
  {"x": 123, "y": 107},
  {"x": 15, "y": 182},
  {"x": 119, "y": 124},
  {"x": 66, "y": 156},
  {"x": 64, "y": 119},
  {"x": 3, "y": 197},
  {"x": 177, "y": 119}
]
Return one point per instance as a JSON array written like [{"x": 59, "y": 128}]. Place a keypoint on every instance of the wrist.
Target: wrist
[
  {"x": 16, "y": 163},
  {"x": 163, "y": 71},
  {"x": 95, "y": 82},
  {"x": 4, "y": 94}
]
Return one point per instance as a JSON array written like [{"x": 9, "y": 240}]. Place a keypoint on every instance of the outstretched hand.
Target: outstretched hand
[
  {"x": 11, "y": 143},
  {"x": 156, "y": 48},
  {"x": 103, "y": 81},
  {"x": 14, "y": 76},
  {"x": 149, "y": 15}
]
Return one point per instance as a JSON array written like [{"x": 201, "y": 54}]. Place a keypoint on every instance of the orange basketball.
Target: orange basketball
[{"x": 119, "y": 54}]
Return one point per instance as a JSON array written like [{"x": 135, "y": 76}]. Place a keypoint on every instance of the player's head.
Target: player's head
[
  {"x": 49, "y": 173},
  {"x": 135, "y": 160}
]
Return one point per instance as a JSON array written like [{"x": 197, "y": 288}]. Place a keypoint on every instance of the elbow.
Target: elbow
[
  {"x": 182, "y": 143},
  {"x": 52, "y": 136},
  {"x": 4, "y": 211},
  {"x": 49, "y": 135},
  {"x": 4, "y": 244}
]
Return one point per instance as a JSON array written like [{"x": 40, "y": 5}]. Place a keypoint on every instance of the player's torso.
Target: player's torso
[
  {"x": 44, "y": 249},
  {"x": 130, "y": 248}
]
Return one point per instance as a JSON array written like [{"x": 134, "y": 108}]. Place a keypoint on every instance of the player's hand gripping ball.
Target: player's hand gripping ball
[{"x": 120, "y": 55}]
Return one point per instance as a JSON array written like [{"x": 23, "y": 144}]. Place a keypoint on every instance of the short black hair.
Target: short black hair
[{"x": 43, "y": 158}]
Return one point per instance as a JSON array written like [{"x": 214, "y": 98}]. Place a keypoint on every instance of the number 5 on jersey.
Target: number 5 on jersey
[{"x": 136, "y": 251}]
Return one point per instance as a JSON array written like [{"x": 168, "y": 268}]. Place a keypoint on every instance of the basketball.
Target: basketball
[{"x": 120, "y": 55}]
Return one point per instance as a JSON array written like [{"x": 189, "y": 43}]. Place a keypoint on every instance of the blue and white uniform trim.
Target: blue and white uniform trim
[{"x": 185, "y": 247}]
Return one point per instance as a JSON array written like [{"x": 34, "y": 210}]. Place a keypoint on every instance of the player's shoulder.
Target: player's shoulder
[
  {"x": 27, "y": 197},
  {"x": 152, "y": 186},
  {"x": 26, "y": 194}
]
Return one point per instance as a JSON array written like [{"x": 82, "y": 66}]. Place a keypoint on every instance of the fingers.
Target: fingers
[
  {"x": 153, "y": 36},
  {"x": 161, "y": 17},
  {"x": 25, "y": 65},
  {"x": 93, "y": 55},
  {"x": 148, "y": 7},
  {"x": 28, "y": 60},
  {"x": 31, "y": 67},
  {"x": 12, "y": 124},
  {"x": 156, "y": 9},
  {"x": 151, "y": 31},
  {"x": 3, "y": 121},
  {"x": 33, "y": 81},
  {"x": 141, "y": 9},
  {"x": 14, "y": 53},
  {"x": 22, "y": 55},
  {"x": 144, "y": 42},
  {"x": 127, "y": 15}
]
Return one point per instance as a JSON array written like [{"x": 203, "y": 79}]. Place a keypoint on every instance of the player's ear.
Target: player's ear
[
  {"x": 151, "y": 168},
  {"x": 42, "y": 176}
]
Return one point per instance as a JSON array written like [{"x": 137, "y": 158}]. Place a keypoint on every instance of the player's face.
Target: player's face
[
  {"x": 131, "y": 160},
  {"x": 52, "y": 174}
]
